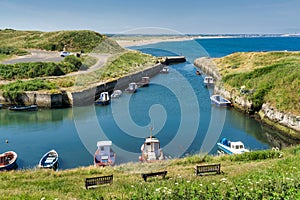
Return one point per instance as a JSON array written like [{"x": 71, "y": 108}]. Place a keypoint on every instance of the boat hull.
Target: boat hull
[
  {"x": 12, "y": 163},
  {"x": 220, "y": 101},
  {"x": 23, "y": 108},
  {"x": 99, "y": 162},
  {"x": 49, "y": 160},
  {"x": 102, "y": 103}
]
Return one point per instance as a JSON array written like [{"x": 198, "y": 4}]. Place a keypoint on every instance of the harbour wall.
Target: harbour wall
[
  {"x": 282, "y": 121},
  {"x": 85, "y": 96}
]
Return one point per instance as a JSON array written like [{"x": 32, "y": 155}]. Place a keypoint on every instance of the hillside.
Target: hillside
[
  {"x": 256, "y": 175},
  {"x": 74, "y": 41},
  {"x": 266, "y": 77}
]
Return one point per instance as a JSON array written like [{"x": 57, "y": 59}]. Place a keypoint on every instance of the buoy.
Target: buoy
[{"x": 6, "y": 141}]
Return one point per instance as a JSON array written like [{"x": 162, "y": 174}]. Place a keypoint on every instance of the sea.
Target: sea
[{"x": 175, "y": 108}]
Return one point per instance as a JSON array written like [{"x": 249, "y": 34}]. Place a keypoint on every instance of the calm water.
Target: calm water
[{"x": 176, "y": 105}]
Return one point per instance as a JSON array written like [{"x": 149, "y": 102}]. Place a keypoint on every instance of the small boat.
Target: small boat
[
  {"x": 144, "y": 82},
  {"x": 131, "y": 88},
  {"x": 151, "y": 150},
  {"x": 198, "y": 72},
  {"x": 219, "y": 100},
  {"x": 8, "y": 160},
  {"x": 116, "y": 94},
  {"x": 165, "y": 70},
  {"x": 23, "y": 108},
  {"x": 49, "y": 160},
  {"x": 228, "y": 147},
  {"x": 208, "y": 80},
  {"x": 1, "y": 105},
  {"x": 104, "y": 155},
  {"x": 103, "y": 99}
]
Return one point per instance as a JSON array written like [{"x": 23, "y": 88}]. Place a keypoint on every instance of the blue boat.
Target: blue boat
[
  {"x": 49, "y": 160},
  {"x": 219, "y": 100},
  {"x": 8, "y": 160},
  {"x": 24, "y": 108},
  {"x": 228, "y": 147},
  {"x": 104, "y": 99}
]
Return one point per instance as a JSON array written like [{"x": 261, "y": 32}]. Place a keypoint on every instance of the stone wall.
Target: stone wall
[{"x": 83, "y": 97}]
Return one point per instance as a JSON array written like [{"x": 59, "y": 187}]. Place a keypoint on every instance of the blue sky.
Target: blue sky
[{"x": 118, "y": 16}]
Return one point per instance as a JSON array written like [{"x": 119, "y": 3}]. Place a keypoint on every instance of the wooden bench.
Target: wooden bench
[
  {"x": 163, "y": 174},
  {"x": 93, "y": 182},
  {"x": 203, "y": 169}
]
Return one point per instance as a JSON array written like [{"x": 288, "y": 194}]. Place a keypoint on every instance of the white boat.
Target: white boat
[
  {"x": 8, "y": 160},
  {"x": 219, "y": 100},
  {"x": 103, "y": 99},
  {"x": 104, "y": 155},
  {"x": 131, "y": 88},
  {"x": 144, "y": 82},
  {"x": 228, "y": 147},
  {"x": 208, "y": 80},
  {"x": 151, "y": 150},
  {"x": 49, "y": 160},
  {"x": 116, "y": 94},
  {"x": 165, "y": 70}
]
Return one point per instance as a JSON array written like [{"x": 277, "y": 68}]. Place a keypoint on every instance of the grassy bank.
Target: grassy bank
[
  {"x": 256, "y": 175},
  {"x": 271, "y": 77},
  {"x": 75, "y": 41}
]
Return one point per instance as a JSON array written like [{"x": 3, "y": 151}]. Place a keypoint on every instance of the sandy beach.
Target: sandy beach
[{"x": 127, "y": 41}]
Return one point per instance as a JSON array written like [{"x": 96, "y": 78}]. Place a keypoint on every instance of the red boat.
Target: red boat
[{"x": 8, "y": 160}]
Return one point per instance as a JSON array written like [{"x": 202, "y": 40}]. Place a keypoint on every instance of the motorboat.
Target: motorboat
[
  {"x": 104, "y": 155},
  {"x": 132, "y": 87},
  {"x": 151, "y": 150},
  {"x": 23, "y": 108},
  {"x": 8, "y": 160},
  {"x": 116, "y": 94},
  {"x": 104, "y": 99},
  {"x": 208, "y": 80},
  {"x": 144, "y": 82},
  {"x": 219, "y": 100},
  {"x": 165, "y": 70},
  {"x": 49, "y": 160},
  {"x": 227, "y": 147}
]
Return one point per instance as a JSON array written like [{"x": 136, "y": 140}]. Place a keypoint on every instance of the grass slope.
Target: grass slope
[
  {"x": 255, "y": 175},
  {"x": 271, "y": 77},
  {"x": 82, "y": 40}
]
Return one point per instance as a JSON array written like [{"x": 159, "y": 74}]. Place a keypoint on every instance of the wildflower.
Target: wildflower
[
  {"x": 223, "y": 180},
  {"x": 200, "y": 184},
  {"x": 176, "y": 183},
  {"x": 43, "y": 198},
  {"x": 213, "y": 183},
  {"x": 188, "y": 181},
  {"x": 132, "y": 186}
]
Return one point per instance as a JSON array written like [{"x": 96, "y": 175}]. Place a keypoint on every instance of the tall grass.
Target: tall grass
[{"x": 272, "y": 77}]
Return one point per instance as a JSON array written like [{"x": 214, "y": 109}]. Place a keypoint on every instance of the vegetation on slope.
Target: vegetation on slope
[
  {"x": 83, "y": 40},
  {"x": 255, "y": 175},
  {"x": 271, "y": 77}
]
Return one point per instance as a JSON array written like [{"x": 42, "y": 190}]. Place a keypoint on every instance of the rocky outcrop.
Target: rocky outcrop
[{"x": 286, "y": 122}]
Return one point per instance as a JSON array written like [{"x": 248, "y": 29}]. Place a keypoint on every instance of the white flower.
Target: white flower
[
  {"x": 223, "y": 180},
  {"x": 176, "y": 183},
  {"x": 157, "y": 189},
  {"x": 188, "y": 181}
]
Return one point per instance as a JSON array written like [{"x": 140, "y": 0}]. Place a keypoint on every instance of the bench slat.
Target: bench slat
[{"x": 202, "y": 169}]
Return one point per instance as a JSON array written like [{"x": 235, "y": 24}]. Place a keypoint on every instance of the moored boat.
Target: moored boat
[
  {"x": 144, "y": 82},
  {"x": 151, "y": 150},
  {"x": 23, "y": 108},
  {"x": 198, "y": 72},
  {"x": 104, "y": 155},
  {"x": 8, "y": 160},
  {"x": 164, "y": 70},
  {"x": 116, "y": 94},
  {"x": 208, "y": 81},
  {"x": 228, "y": 147},
  {"x": 131, "y": 88},
  {"x": 103, "y": 99},
  {"x": 219, "y": 100},
  {"x": 49, "y": 160}
]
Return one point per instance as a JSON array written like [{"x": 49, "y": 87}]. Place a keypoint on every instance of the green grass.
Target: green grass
[
  {"x": 269, "y": 77},
  {"x": 75, "y": 41},
  {"x": 254, "y": 175}
]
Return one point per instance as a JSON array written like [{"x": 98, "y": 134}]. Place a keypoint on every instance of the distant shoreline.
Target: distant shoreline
[{"x": 128, "y": 41}]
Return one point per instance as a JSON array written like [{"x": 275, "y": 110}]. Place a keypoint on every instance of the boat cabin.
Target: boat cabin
[
  {"x": 209, "y": 80},
  {"x": 237, "y": 145},
  {"x": 104, "y": 96}
]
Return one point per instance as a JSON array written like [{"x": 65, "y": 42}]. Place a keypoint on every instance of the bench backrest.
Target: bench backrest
[
  {"x": 209, "y": 168},
  {"x": 98, "y": 180}
]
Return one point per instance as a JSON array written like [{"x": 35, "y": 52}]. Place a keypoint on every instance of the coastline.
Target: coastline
[{"x": 128, "y": 41}]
